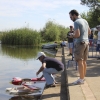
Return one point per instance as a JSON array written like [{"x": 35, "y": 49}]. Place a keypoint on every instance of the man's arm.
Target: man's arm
[
  {"x": 76, "y": 34},
  {"x": 89, "y": 31},
  {"x": 41, "y": 68}
]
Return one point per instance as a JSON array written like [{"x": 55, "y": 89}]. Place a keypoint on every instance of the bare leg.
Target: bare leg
[
  {"x": 81, "y": 69},
  {"x": 85, "y": 66},
  {"x": 70, "y": 50}
]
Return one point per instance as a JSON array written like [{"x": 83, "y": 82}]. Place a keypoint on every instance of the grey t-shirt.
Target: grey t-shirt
[{"x": 83, "y": 26}]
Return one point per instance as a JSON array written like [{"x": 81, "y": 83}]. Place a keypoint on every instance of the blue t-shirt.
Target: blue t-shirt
[
  {"x": 53, "y": 63},
  {"x": 83, "y": 26}
]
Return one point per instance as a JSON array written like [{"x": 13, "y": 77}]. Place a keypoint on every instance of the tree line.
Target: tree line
[
  {"x": 93, "y": 15},
  {"x": 51, "y": 31},
  {"x": 25, "y": 36}
]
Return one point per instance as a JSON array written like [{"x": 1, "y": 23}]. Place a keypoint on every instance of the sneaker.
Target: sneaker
[
  {"x": 78, "y": 82},
  {"x": 83, "y": 79}
]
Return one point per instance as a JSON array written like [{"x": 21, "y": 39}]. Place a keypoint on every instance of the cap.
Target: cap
[{"x": 40, "y": 54}]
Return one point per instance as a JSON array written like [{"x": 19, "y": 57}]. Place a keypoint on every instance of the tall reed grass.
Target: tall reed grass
[{"x": 23, "y": 36}]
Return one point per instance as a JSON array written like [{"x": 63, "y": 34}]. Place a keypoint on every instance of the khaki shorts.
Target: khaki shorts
[{"x": 81, "y": 51}]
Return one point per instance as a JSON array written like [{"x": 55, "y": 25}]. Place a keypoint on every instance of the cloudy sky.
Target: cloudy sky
[{"x": 35, "y": 13}]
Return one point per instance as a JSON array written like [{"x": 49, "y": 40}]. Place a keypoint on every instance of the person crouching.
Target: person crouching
[{"x": 49, "y": 67}]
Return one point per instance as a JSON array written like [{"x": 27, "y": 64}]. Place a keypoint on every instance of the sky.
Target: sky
[{"x": 35, "y": 14}]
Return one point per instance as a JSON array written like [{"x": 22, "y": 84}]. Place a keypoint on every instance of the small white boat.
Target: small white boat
[
  {"x": 50, "y": 51},
  {"x": 49, "y": 46}
]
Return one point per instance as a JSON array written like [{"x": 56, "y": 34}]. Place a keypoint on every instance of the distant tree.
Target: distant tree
[
  {"x": 53, "y": 32},
  {"x": 91, "y": 3},
  {"x": 49, "y": 32},
  {"x": 93, "y": 17},
  {"x": 63, "y": 32}
]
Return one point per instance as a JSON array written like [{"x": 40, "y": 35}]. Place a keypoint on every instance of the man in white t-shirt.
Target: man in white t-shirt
[{"x": 98, "y": 41}]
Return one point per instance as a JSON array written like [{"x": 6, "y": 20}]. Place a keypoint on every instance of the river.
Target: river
[{"x": 21, "y": 62}]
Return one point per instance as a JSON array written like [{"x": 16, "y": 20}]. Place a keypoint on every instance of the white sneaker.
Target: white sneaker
[
  {"x": 79, "y": 81},
  {"x": 82, "y": 79}
]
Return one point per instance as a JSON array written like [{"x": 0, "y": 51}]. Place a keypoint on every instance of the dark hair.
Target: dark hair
[
  {"x": 74, "y": 12},
  {"x": 71, "y": 26}
]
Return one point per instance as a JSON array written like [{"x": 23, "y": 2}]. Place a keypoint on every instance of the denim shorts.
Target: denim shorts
[{"x": 70, "y": 45}]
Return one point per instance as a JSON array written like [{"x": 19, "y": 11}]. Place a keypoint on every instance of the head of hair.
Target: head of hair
[
  {"x": 71, "y": 26},
  {"x": 74, "y": 12}
]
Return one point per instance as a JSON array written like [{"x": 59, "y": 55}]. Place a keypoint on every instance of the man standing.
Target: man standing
[
  {"x": 70, "y": 40},
  {"x": 49, "y": 67},
  {"x": 98, "y": 41},
  {"x": 81, "y": 31}
]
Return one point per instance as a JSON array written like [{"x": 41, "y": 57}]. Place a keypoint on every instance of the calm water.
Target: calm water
[{"x": 18, "y": 62}]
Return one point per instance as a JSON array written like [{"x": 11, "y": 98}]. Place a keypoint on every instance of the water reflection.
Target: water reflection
[
  {"x": 21, "y": 52},
  {"x": 25, "y": 52},
  {"x": 25, "y": 65},
  {"x": 25, "y": 98}
]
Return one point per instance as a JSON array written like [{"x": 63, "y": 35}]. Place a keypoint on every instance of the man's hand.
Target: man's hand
[
  {"x": 41, "y": 68},
  {"x": 39, "y": 78},
  {"x": 71, "y": 36},
  {"x": 37, "y": 73}
]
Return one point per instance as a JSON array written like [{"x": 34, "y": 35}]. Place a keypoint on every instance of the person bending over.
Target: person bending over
[{"x": 49, "y": 67}]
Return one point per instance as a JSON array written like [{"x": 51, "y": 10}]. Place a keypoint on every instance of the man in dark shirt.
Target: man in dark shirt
[
  {"x": 70, "y": 40},
  {"x": 91, "y": 38},
  {"x": 49, "y": 67}
]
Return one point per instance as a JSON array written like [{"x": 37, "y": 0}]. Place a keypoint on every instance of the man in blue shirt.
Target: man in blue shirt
[
  {"x": 81, "y": 32},
  {"x": 49, "y": 67}
]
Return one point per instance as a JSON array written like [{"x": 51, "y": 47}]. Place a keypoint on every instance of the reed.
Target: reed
[{"x": 23, "y": 36}]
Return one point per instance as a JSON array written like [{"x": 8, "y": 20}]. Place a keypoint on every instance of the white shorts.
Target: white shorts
[{"x": 70, "y": 45}]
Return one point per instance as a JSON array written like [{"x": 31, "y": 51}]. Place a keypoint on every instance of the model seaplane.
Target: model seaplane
[{"x": 33, "y": 86}]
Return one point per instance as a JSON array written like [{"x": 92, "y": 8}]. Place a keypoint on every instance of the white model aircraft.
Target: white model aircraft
[{"x": 32, "y": 86}]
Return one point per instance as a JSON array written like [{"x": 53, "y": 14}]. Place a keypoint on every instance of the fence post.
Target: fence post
[{"x": 64, "y": 78}]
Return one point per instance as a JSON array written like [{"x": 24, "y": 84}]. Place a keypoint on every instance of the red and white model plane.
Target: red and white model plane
[{"x": 32, "y": 86}]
